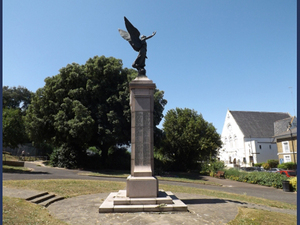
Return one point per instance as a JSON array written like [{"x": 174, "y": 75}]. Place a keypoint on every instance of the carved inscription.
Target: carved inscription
[{"x": 142, "y": 139}]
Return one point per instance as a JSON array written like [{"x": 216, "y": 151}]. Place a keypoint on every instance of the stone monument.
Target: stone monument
[
  {"x": 142, "y": 183},
  {"x": 142, "y": 193}
]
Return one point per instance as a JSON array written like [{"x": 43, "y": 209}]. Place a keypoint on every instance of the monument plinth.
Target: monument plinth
[
  {"x": 142, "y": 183},
  {"x": 141, "y": 194}
]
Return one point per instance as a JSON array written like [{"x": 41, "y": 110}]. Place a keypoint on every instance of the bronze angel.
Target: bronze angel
[{"x": 138, "y": 44}]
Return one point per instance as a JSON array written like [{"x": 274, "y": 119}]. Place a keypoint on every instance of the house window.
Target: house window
[
  {"x": 270, "y": 146},
  {"x": 251, "y": 159},
  {"x": 259, "y": 146},
  {"x": 244, "y": 159},
  {"x": 285, "y": 147},
  {"x": 287, "y": 158}
]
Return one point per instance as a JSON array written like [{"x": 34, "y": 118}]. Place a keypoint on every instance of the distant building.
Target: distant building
[
  {"x": 248, "y": 137},
  {"x": 285, "y": 134}
]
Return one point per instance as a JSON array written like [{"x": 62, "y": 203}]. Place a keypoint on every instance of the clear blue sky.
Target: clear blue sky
[{"x": 207, "y": 55}]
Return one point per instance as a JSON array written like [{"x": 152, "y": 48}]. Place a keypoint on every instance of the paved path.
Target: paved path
[{"x": 202, "y": 209}]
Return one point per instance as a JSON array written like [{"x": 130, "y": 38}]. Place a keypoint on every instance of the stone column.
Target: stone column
[{"x": 141, "y": 183}]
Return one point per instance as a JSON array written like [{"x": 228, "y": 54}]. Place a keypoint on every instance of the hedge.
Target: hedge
[{"x": 261, "y": 178}]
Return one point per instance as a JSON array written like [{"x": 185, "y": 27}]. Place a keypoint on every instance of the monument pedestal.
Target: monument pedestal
[
  {"x": 142, "y": 187},
  {"x": 141, "y": 194},
  {"x": 141, "y": 182}
]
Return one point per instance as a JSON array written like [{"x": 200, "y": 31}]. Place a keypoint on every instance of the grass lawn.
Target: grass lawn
[
  {"x": 263, "y": 217},
  {"x": 180, "y": 177},
  {"x": 18, "y": 211}
]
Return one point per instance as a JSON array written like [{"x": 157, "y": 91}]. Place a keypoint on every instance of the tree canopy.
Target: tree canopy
[
  {"x": 83, "y": 106},
  {"x": 16, "y": 97},
  {"x": 188, "y": 138},
  {"x": 13, "y": 128},
  {"x": 15, "y": 103}
]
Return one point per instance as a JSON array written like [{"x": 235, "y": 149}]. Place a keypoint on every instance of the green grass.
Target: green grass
[
  {"x": 67, "y": 188},
  {"x": 19, "y": 211},
  {"x": 72, "y": 188},
  {"x": 14, "y": 169},
  {"x": 225, "y": 195},
  {"x": 8, "y": 157},
  {"x": 263, "y": 217},
  {"x": 179, "y": 177}
]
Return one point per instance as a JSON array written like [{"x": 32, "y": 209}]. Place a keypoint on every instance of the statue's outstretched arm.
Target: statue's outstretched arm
[{"x": 151, "y": 35}]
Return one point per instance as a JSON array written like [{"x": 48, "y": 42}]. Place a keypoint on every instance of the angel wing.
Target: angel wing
[
  {"x": 124, "y": 34},
  {"x": 133, "y": 35}
]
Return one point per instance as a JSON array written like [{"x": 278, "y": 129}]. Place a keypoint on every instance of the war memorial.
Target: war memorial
[{"x": 142, "y": 192}]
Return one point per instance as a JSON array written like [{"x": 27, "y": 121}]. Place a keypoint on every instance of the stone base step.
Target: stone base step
[{"x": 118, "y": 202}]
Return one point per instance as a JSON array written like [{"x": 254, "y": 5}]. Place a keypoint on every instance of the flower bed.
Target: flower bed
[{"x": 261, "y": 178}]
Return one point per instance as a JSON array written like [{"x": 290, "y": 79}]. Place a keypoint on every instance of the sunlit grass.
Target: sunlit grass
[
  {"x": 14, "y": 169},
  {"x": 182, "y": 178},
  {"x": 225, "y": 195},
  {"x": 72, "y": 188},
  {"x": 18, "y": 211},
  {"x": 257, "y": 216},
  {"x": 67, "y": 188}
]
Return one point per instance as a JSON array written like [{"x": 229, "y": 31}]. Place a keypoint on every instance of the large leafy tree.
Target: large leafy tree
[
  {"x": 85, "y": 105},
  {"x": 15, "y": 103},
  {"x": 13, "y": 128},
  {"x": 188, "y": 138},
  {"x": 16, "y": 97}
]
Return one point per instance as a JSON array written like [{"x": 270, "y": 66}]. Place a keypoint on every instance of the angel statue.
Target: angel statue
[{"x": 138, "y": 44}]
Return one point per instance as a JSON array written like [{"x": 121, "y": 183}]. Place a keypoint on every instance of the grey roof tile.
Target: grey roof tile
[{"x": 258, "y": 124}]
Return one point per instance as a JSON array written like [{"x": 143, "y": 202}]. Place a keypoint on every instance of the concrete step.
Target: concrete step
[
  {"x": 51, "y": 200},
  {"x": 44, "y": 199},
  {"x": 36, "y": 196}
]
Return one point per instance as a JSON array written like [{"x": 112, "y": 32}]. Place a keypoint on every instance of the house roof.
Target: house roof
[
  {"x": 258, "y": 124},
  {"x": 283, "y": 128}
]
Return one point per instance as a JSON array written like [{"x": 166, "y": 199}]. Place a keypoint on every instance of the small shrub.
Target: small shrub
[
  {"x": 213, "y": 166},
  {"x": 232, "y": 172},
  {"x": 65, "y": 157},
  {"x": 266, "y": 166},
  {"x": 273, "y": 163},
  {"x": 287, "y": 166},
  {"x": 293, "y": 183},
  {"x": 258, "y": 164}
]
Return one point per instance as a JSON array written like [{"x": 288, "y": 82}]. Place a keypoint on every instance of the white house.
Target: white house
[{"x": 248, "y": 137}]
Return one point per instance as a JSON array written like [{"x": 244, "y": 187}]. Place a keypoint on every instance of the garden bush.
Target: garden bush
[
  {"x": 213, "y": 167},
  {"x": 261, "y": 178},
  {"x": 287, "y": 166},
  {"x": 293, "y": 183},
  {"x": 64, "y": 157},
  {"x": 266, "y": 166},
  {"x": 258, "y": 164},
  {"x": 273, "y": 163}
]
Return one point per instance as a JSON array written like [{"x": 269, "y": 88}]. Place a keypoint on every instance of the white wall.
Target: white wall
[{"x": 236, "y": 146}]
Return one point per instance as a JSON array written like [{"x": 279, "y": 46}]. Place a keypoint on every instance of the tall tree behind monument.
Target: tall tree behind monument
[
  {"x": 82, "y": 106},
  {"x": 188, "y": 139}
]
